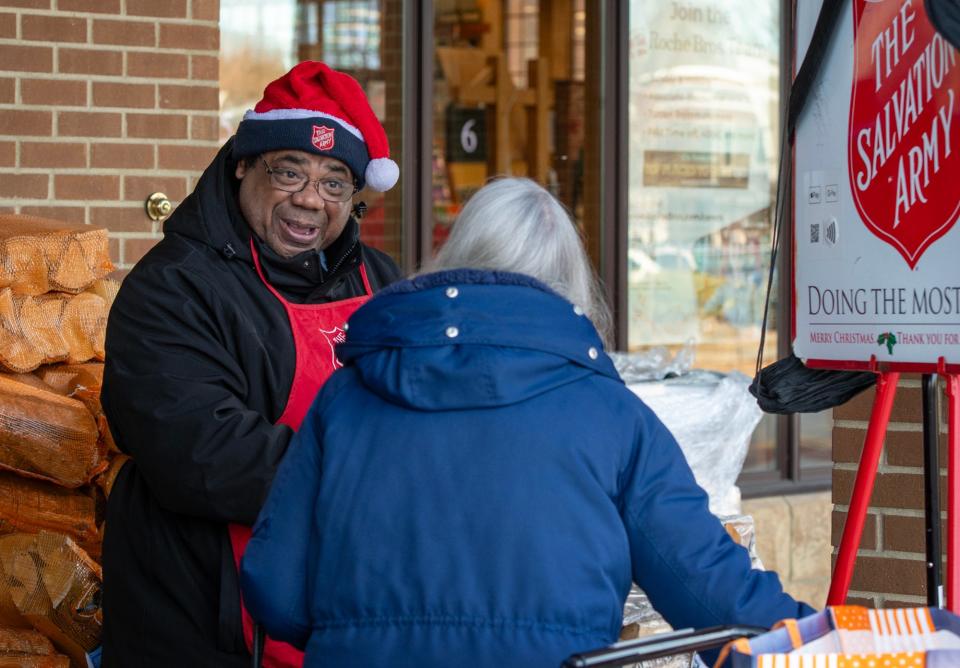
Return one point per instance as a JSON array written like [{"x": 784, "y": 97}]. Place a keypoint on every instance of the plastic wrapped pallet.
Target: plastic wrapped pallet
[
  {"x": 50, "y": 328},
  {"x": 23, "y": 648},
  {"x": 711, "y": 415},
  {"x": 38, "y": 255},
  {"x": 47, "y": 436},
  {"x": 31, "y": 506},
  {"x": 56, "y": 588}
]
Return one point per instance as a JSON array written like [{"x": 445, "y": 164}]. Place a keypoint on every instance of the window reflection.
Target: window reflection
[{"x": 703, "y": 150}]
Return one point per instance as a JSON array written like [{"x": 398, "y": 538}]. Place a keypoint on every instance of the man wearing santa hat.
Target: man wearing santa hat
[{"x": 216, "y": 345}]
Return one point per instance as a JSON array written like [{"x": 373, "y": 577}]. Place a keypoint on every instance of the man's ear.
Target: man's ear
[{"x": 241, "y": 170}]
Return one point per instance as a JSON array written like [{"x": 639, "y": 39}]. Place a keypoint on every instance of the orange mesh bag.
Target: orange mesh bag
[
  {"x": 28, "y": 649},
  {"x": 30, "y": 506},
  {"x": 44, "y": 435},
  {"x": 32, "y": 380},
  {"x": 56, "y": 587},
  {"x": 68, "y": 379},
  {"x": 38, "y": 255},
  {"x": 106, "y": 479},
  {"x": 10, "y": 617},
  {"x": 27, "y": 661},
  {"x": 81, "y": 382},
  {"x": 53, "y": 327},
  {"x": 105, "y": 288}
]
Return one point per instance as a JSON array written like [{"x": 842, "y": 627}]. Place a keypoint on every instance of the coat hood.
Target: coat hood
[
  {"x": 211, "y": 214},
  {"x": 466, "y": 339}
]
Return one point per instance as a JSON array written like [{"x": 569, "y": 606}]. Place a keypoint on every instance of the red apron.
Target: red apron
[{"x": 316, "y": 360}]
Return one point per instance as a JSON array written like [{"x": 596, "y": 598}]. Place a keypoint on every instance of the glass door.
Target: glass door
[
  {"x": 703, "y": 125},
  {"x": 508, "y": 99}
]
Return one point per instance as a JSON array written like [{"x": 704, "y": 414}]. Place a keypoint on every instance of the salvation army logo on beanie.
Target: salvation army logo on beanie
[{"x": 316, "y": 109}]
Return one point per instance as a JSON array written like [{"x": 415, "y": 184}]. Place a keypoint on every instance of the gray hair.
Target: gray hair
[{"x": 513, "y": 224}]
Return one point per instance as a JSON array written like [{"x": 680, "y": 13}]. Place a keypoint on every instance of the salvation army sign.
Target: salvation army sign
[
  {"x": 904, "y": 148},
  {"x": 876, "y": 243}
]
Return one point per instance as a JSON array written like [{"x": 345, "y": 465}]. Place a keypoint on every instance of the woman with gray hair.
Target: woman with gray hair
[
  {"x": 476, "y": 486},
  {"x": 537, "y": 239}
]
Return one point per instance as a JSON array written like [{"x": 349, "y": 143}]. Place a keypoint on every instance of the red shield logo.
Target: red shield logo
[
  {"x": 333, "y": 337},
  {"x": 322, "y": 137},
  {"x": 904, "y": 146}
]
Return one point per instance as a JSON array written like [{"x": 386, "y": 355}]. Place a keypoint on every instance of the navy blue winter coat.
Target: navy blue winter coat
[{"x": 478, "y": 487}]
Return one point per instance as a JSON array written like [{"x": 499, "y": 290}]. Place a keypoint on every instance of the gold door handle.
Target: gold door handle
[{"x": 158, "y": 206}]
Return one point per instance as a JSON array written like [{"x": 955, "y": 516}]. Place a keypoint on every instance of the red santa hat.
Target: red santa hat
[{"x": 319, "y": 110}]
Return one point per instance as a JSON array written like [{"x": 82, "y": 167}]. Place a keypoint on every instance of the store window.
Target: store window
[
  {"x": 261, "y": 39},
  {"x": 521, "y": 42},
  {"x": 703, "y": 124},
  {"x": 508, "y": 98}
]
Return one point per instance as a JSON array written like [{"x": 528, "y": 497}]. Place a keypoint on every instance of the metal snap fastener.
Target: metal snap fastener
[
  {"x": 577, "y": 310},
  {"x": 593, "y": 353},
  {"x": 453, "y": 332},
  {"x": 452, "y": 293}
]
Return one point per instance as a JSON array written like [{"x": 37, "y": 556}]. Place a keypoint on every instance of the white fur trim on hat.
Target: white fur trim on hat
[
  {"x": 288, "y": 114},
  {"x": 382, "y": 174}
]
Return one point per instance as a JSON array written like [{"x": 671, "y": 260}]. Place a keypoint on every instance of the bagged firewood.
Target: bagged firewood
[
  {"x": 32, "y": 380},
  {"x": 24, "y": 641},
  {"x": 38, "y": 255},
  {"x": 10, "y": 617},
  {"x": 32, "y": 661},
  {"x": 27, "y": 661},
  {"x": 106, "y": 479},
  {"x": 107, "y": 288},
  {"x": 50, "y": 328},
  {"x": 67, "y": 379},
  {"x": 56, "y": 588},
  {"x": 46, "y": 436},
  {"x": 31, "y": 506},
  {"x": 81, "y": 382}
]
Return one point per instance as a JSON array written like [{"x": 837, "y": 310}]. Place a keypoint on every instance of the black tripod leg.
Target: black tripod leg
[{"x": 931, "y": 488}]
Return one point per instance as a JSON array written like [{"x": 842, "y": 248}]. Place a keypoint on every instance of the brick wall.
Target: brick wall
[
  {"x": 103, "y": 102},
  {"x": 890, "y": 567}
]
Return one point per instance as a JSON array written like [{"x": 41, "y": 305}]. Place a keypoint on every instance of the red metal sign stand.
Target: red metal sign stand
[
  {"x": 863, "y": 487},
  {"x": 866, "y": 475}
]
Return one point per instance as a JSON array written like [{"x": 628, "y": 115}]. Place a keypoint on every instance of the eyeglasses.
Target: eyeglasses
[{"x": 292, "y": 181}]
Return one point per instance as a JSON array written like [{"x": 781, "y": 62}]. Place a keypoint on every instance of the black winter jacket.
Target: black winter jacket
[{"x": 199, "y": 362}]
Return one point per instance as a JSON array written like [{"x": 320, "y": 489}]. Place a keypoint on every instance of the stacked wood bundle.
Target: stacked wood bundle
[
  {"x": 31, "y": 506},
  {"x": 55, "y": 588},
  {"x": 47, "y": 436},
  {"x": 38, "y": 255},
  {"x": 81, "y": 382},
  {"x": 53, "y": 327},
  {"x": 21, "y": 648},
  {"x": 58, "y": 460}
]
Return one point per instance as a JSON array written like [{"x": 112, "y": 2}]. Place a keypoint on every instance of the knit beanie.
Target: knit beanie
[{"x": 316, "y": 109}]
